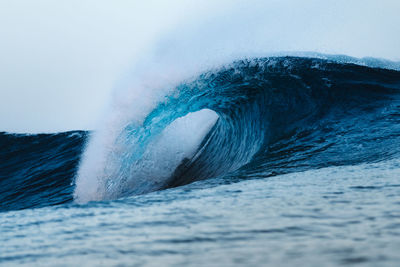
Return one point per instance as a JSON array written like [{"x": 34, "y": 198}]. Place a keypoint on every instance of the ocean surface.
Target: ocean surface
[{"x": 272, "y": 161}]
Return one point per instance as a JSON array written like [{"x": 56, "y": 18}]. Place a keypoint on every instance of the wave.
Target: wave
[{"x": 252, "y": 118}]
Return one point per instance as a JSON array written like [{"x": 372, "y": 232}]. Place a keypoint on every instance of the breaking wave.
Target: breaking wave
[{"x": 253, "y": 117}]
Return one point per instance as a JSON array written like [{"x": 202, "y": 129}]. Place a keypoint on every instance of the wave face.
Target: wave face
[
  {"x": 251, "y": 118},
  {"x": 38, "y": 170}
]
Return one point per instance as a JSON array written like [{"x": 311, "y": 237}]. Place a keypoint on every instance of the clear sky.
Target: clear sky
[{"x": 60, "y": 60}]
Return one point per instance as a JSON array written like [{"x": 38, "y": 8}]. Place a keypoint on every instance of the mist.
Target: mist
[{"x": 62, "y": 62}]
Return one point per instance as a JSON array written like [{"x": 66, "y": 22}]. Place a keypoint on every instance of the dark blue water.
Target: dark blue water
[
  {"x": 38, "y": 170},
  {"x": 295, "y": 161}
]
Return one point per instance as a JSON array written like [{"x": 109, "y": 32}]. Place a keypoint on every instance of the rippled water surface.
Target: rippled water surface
[{"x": 330, "y": 216}]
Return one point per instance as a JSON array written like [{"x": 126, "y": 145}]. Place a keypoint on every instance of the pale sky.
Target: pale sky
[{"x": 61, "y": 60}]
